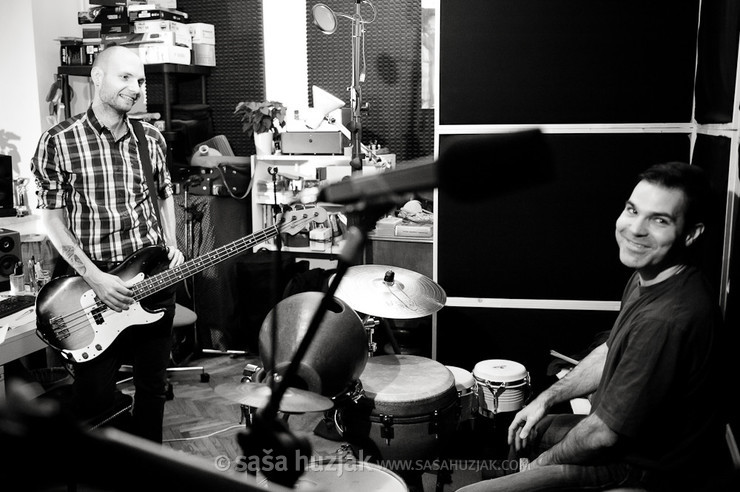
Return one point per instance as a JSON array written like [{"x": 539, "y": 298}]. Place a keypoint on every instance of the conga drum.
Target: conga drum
[
  {"x": 407, "y": 410},
  {"x": 467, "y": 394},
  {"x": 503, "y": 386}
]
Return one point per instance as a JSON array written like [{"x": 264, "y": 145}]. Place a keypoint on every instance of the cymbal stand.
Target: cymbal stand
[{"x": 370, "y": 322}]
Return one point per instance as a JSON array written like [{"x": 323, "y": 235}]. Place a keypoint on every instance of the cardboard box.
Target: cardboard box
[
  {"x": 128, "y": 39},
  {"x": 202, "y": 33},
  {"x": 204, "y": 54},
  {"x": 170, "y": 38},
  {"x": 146, "y": 13},
  {"x": 181, "y": 30},
  {"x": 162, "y": 53}
]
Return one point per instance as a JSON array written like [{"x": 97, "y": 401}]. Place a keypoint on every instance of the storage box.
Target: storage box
[
  {"x": 202, "y": 33},
  {"x": 312, "y": 143},
  {"x": 162, "y": 53},
  {"x": 181, "y": 30},
  {"x": 204, "y": 54},
  {"x": 147, "y": 13},
  {"x": 168, "y": 38}
]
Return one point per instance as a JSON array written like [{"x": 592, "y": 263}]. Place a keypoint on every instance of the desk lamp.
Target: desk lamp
[{"x": 326, "y": 20}]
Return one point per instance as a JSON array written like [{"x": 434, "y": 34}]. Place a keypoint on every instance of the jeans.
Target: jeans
[
  {"x": 148, "y": 348},
  {"x": 551, "y": 430}
]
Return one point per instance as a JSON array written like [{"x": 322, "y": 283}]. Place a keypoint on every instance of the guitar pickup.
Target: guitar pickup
[{"x": 97, "y": 311}]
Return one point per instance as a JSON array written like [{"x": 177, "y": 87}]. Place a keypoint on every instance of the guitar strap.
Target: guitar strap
[{"x": 146, "y": 164}]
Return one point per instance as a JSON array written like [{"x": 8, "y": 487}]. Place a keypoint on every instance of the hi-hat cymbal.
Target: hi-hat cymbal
[
  {"x": 257, "y": 395},
  {"x": 390, "y": 292}
]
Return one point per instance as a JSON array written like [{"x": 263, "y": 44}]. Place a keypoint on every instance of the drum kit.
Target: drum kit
[{"x": 395, "y": 406}]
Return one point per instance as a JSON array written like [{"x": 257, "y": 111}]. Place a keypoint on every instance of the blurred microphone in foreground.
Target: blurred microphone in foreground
[{"x": 469, "y": 168}]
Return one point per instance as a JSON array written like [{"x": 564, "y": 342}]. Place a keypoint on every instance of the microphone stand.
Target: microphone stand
[
  {"x": 356, "y": 91},
  {"x": 268, "y": 436}
]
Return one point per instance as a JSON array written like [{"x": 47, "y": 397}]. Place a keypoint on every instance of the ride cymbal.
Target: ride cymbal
[
  {"x": 390, "y": 292},
  {"x": 257, "y": 395}
]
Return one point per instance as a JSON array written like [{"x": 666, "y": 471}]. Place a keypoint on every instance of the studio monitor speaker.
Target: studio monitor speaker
[
  {"x": 7, "y": 207},
  {"x": 10, "y": 255}
]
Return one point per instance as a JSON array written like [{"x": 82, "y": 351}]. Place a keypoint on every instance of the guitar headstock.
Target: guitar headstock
[{"x": 296, "y": 220}]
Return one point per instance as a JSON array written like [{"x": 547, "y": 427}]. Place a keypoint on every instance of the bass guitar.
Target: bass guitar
[{"x": 72, "y": 320}]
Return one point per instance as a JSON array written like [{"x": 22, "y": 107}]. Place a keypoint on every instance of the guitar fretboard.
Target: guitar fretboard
[{"x": 169, "y": 277}]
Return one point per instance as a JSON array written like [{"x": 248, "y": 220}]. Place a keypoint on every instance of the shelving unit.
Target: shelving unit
[
  {"x": 294, "y": 172},
  {"x": 168, "y": 70}
]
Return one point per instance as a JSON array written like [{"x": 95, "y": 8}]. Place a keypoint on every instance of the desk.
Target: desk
[{"x": 20, "y": 341}]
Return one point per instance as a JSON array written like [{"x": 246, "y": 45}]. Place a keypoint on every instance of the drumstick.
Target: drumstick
[{"x": 564, "y": 357}]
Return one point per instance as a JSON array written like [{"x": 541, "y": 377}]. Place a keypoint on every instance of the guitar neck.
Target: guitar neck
[{"x": 170, "y": 277}]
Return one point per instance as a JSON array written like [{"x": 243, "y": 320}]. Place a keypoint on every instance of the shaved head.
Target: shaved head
[
  {"x": 104, "y": 58},
  {"x": 118, "y": 76}
]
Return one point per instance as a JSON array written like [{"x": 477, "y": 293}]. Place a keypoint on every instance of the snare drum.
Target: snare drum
[
  {"x": 407, "y": 410},
  {"x": 340, "y": 475},
  {"x": 503, "y": 386},
  {"x": 467, "y": 393}
]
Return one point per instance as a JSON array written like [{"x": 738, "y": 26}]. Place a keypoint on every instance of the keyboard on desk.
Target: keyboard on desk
[{"x": 13, "y": 304}]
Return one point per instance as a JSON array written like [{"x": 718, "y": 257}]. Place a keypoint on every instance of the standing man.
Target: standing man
[
  {"x": 656, "y": 420},
  {"x": 98, "y": 209}
]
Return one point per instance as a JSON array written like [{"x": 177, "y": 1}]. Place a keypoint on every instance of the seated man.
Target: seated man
[{"x": 655, "y": 420}]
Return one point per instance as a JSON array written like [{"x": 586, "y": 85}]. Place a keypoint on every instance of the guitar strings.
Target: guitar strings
[{"x": 78, "y": 319}]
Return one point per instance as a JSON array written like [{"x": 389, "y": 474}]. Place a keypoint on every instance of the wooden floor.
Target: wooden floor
[{"x": 200, "y": 422}]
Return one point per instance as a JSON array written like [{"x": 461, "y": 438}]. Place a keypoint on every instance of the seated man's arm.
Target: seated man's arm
[
  {"x": 582, "y": 380},
  {"x": 587, "y": 440}
]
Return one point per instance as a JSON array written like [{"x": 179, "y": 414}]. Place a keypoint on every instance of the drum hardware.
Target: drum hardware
[
  {"x": 370, "y": 323},
  {"x": 495, "y": 393}
]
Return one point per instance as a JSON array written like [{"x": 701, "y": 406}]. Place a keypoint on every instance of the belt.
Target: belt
[{"x": 106, "y": 266}]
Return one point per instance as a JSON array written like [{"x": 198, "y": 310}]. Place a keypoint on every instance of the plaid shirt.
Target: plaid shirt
[{"x": 101, "y": 184}]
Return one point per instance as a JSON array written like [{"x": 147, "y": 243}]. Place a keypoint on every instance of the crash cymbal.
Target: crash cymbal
[
  {"x": 390, "y": 292},
  {"x": 257, "y": 395}
]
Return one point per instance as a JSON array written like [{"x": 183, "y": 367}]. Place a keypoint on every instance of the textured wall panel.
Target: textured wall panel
[
  {"x": 239, "y": 74},
  {"x": 393, "y": 84}
]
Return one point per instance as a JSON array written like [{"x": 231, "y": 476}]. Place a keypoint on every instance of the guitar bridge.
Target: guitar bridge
[{"x": 59, "y": 327}]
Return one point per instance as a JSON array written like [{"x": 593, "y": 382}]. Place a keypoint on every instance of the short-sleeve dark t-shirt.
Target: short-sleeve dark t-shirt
[{"x": 662, "y": 373}]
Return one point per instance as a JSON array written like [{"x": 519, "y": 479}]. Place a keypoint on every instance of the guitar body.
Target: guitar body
[{"x": 71, "y": 319}]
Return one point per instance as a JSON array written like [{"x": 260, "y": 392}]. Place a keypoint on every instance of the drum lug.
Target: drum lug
[
  {"x": 434, "y": 424},
  {"x": 386, "y": 432}
]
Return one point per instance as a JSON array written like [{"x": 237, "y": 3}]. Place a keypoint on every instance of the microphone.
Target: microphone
[{"x": 468, "y": 165}]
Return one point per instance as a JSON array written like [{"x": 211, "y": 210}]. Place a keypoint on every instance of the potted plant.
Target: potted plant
[{"x": 261, "y": 120}]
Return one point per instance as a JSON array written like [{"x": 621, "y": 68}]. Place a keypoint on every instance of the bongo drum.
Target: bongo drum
[
  {"x": 467, "y": 393},
  {"x": 503, "y": 386},
  {"x": 341, "y": 475},
  {"x": 407, "y": 408}
]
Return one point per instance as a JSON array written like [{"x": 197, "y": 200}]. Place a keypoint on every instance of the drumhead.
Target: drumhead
[
  {"x": 464, "y": 380},
  {"x": 407, "y": 384},
  {"x": 499, "y": 371},
  {"x": 344, "y": 475}
]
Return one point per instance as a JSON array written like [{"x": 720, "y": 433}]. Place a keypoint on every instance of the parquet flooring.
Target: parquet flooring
[{"x": 201, "y": 423}]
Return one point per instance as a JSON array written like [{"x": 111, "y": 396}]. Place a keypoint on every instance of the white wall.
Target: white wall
[{"x": 29, "y": 55}]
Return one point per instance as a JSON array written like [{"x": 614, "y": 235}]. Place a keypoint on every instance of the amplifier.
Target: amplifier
[
  {"x": 7, "y": 206},
  {"x": 312, "y": 143}
]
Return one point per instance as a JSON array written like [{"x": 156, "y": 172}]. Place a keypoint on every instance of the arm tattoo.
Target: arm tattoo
[{"x": 74, "y": 261}]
